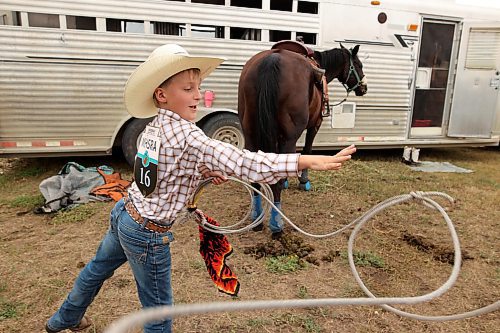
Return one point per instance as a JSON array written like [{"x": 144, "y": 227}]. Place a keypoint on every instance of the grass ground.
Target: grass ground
[{"x": 403, "y": 251}]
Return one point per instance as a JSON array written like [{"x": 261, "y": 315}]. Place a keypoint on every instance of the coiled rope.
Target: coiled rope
[{"x": 146, "y": 315}]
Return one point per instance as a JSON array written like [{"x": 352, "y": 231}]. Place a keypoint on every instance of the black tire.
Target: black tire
[
  {"x": 130, "y": 138},
  {"x": 225, "y": 127}
]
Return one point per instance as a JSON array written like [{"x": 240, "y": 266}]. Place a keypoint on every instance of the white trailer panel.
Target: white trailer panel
[{"x": 61, "y": 88}]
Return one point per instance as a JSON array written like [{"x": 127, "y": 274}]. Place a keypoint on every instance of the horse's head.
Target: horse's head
[
  {"x": 344, "y": 65},
  {"x": 354, "y": 78}
]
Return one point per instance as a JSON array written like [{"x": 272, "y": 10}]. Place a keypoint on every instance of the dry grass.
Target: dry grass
[{"x": 40, "y": 256}]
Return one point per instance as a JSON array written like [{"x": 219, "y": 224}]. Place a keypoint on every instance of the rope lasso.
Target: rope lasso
[{"x": 146, "y": 315}]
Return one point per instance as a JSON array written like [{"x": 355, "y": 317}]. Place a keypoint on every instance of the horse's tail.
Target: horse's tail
[{"x": 267, "y": 103}]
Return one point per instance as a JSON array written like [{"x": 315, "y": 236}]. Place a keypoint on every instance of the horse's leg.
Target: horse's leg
[
  {"x": 247, "y": 124},
  {"x": 304, "y": 183},
  {"x": 275, "y": 220},
  {"x": 257, "y": 208},
  {"x": 256, "y": 212}
]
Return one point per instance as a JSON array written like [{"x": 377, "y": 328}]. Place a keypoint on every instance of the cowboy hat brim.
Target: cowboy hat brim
[{"x": 140, "y": 86}]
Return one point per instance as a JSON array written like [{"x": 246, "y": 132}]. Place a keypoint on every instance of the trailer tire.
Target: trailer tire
[
  {"x": 130, "y": 138},
  {"x": 225, "y": 127}
]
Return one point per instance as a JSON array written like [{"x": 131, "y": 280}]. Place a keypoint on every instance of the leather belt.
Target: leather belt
[{"x": 150, "y": 225}]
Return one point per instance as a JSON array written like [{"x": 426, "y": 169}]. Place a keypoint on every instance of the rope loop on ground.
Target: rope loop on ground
[{"x": 146, "y": 315}]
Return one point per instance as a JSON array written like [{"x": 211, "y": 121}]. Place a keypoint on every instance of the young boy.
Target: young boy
[{"x": 172, "y": 157}]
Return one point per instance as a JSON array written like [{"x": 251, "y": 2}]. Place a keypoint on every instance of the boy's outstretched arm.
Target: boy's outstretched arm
[{"x": 322, "y": 162}]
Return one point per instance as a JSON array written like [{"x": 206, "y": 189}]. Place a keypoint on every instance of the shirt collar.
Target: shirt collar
[{"x": 169, "y": 114}]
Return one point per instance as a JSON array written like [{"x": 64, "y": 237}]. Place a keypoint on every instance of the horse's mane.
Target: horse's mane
[{"x": 329, "y": 60}]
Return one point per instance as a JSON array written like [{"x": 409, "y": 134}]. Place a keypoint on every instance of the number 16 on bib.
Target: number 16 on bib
[{"x": 146, "y": 160}]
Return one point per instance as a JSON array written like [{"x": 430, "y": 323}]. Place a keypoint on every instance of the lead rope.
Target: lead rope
[{"x": 141, "y": 317}]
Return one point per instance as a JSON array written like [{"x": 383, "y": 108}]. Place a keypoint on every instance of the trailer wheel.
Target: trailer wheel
[
  {"x": 131, "y": 136},
  {"x": 225, "y": 127}
]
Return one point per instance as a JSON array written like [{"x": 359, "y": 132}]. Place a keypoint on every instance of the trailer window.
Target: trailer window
[
  {"x": 277, "y": 35},
  {"x": 307, "y": 7},
  {"x": 43, "y": 20},
  {"x": 306, "y": 37},
  {"x": 244, "y": 33},
  {"x": 284, "y": 5},
  {"x": 124, "y": 26},
  {"x": 207, "y": 31},
  {"x": 166, "y": 28},
  {"x": 483, "y": 48},
  {"x": 80, "y": 22},
  {"x": 435, "y": 51},
  {"x": 210, "y": 2},
  {"x": 10, "y": 18},
  {"x": 247, "y": 3}
]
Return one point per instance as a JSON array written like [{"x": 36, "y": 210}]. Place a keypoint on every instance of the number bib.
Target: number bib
[{"x": 146, "y": 160}]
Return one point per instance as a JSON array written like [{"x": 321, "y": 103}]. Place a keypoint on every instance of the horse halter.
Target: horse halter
[{"x": 352, "y": 70}]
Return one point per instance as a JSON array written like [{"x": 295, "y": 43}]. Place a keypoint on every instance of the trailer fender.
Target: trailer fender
[{"x": 131, "y": 136}]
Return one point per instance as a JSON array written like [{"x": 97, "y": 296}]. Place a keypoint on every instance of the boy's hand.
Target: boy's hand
[
  {"x": 218, "y": 178},
  {"x": 347, "y": 151},
  {"x": 322, "y": 163}
]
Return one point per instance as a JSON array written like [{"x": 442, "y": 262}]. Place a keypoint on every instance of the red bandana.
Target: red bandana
[{"x": 215, "y": 248}]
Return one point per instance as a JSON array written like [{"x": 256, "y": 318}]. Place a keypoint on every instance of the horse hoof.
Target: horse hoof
[
  {"x": 259, "y": 227},
  {"x": 285, "y": 184},
  {"x": 305, "y": 186}
]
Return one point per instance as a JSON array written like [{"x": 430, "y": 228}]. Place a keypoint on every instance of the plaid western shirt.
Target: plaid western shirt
[{"x": 186, "y": 152}]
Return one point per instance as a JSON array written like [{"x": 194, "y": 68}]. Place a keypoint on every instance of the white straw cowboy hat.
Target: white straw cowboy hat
[{"x": 164, "y": 62}]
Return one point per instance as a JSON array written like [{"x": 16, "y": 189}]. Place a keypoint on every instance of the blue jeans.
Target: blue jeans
[{"x": 148, "y": 254}]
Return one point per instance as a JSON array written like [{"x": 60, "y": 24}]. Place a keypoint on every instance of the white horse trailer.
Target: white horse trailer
[{"x": 432, "y": 68}]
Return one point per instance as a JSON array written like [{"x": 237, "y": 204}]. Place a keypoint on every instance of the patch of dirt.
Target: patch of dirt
[
  {"x": 331, "y": 256},
  {"x": 7, "y": 164},
  {"x": 438, "y": 252},
  {"x": 285, "y": 245},
  {"x": 40, "y": 259}
]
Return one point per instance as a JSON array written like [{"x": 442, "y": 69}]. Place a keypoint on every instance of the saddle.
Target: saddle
[
  {"x": 319, "y": 73},
  {"x": 297, "y": 47},
  {"x": 294, "y": 46}
]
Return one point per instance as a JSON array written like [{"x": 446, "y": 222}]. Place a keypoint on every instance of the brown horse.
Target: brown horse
[{"x": 280, "y": 96}]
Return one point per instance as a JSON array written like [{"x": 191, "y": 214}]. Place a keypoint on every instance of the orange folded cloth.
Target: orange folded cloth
[{"x": 215, "y": 248}]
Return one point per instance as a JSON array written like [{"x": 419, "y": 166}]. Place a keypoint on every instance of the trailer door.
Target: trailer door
[
  {"x": 432, "y": 88},
  {"x": 475, "y": 96}
]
